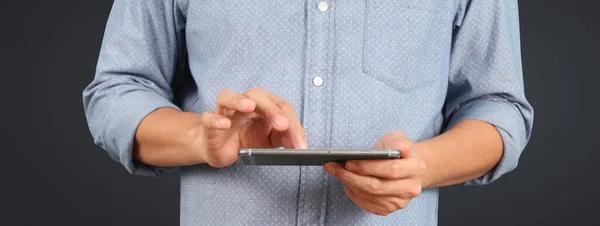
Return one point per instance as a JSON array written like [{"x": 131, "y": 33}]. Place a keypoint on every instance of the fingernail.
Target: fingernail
[
  {"x": 243, "y": 103},
  {"x": 279, "y": 121},
  {"x": 222, "y": 122},
  {"x": 351, "y": 166}
]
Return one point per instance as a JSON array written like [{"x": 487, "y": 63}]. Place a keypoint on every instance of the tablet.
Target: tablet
[{"x": 310, "y": 157}]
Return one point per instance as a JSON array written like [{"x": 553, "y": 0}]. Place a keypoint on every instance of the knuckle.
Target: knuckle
[
  {"x": 205, "y": 117},
  {"x": 414, "y": 192},
  {"x": 400, "y": 205},
  {"x": 357, "y": 167},
  {"x": 389, "y": 206},
  {"x": 360, "y": 169},
  {"x": 417, "y": 191},
  {"x": 395, "y": 167},
  {"x": 373, "y": 188},
  {"x": 285, "y": 106},
  {"x": 392, "y": 208},
  {"x": 192, "y": 135},
  {"x": 344, "y": 175},
  {"x": 272, "y": 111}
]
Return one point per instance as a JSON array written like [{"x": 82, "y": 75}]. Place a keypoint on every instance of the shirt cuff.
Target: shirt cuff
[
  {"x": 122, "y": 117},
  {"x": 508, "y": 120}
]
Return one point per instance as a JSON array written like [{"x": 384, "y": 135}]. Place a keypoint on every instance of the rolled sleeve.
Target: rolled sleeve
[
  {"x": 114, "y": 113},
  {"x": 133, "y": 77},
  {"x": 508, "y": 120},
  {"x": 486, "y": 77}
]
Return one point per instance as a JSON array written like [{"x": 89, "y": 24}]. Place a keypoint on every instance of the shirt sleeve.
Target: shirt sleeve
[
  {"x": 486, "y": 78},
  {"x": 133, "y": 77}
]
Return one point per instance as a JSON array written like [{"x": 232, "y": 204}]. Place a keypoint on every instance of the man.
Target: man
[{"x": 440, "y": 80}]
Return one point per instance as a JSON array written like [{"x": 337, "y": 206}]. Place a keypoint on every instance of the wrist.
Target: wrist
[
  {"x": 193, "y": 141},
  {"x": 162, "y": 138},
  {"x": 424, "y": 149}
]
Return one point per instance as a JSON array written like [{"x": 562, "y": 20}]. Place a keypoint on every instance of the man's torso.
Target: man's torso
[{"x": 354, "y": 71}]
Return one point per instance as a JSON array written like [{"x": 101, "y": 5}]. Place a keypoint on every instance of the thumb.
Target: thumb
[{"x": 400, "y": 144}]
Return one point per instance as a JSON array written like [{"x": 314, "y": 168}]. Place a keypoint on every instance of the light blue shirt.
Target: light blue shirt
[{"x": 353, "y": 69}]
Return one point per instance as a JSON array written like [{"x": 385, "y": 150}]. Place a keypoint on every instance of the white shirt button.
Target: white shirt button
[
  {"x": 318, "y": 81},
  {"x": 323, "y": 6}
]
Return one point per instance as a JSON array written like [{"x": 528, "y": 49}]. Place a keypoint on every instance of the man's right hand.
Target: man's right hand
[{"x": 253, "y": 119}]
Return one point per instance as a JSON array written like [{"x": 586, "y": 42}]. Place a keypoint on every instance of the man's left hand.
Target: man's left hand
[{"x": 383, "y": 186}]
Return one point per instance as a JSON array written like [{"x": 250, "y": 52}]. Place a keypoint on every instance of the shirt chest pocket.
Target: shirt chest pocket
[{"x": 395, "y": 42}]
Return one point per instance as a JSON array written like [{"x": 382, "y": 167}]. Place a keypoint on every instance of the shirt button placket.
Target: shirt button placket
[{"x": 316, "y": 112}]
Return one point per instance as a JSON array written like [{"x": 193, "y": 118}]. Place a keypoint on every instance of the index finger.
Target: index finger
[
  {"x": 230, "y": 100},
  {"x": 267, "y": 109},
  {"x": 270, "y": 106},
  {"x": 371, "y": 185},
  {"x": 295, "y": 131},
  {"x": 383, "y": 168}
]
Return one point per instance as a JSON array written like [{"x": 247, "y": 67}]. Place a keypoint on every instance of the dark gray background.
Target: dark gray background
[{"x": 53, "y": 173}]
